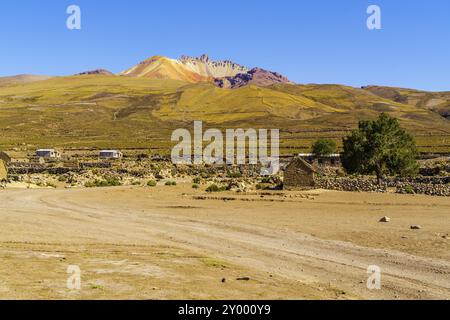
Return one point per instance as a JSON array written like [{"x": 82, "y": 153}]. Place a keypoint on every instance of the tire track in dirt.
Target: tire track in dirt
[
  {"x": 297, "y": 256},
  {"x": 322, "y": 264}
]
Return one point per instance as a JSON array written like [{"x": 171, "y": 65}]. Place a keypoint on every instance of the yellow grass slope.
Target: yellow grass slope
[{"x": 120, "y": 111}]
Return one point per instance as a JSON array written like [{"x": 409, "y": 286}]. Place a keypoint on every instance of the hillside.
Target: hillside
[
  {"x": 132, "y": 112},
  {"x": 22, "y": 78},
  {"x": 435, "y": 101}
]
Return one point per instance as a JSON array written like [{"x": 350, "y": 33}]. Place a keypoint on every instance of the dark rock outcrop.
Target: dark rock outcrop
[
  {"x": 102, "y": 72},
  {"x": 255, "y": 76}
]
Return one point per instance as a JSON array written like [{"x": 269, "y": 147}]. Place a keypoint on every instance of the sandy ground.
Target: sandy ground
[{"x": 177, "y": 243}]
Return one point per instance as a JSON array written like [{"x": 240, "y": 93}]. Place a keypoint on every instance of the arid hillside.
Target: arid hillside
[{"x": 131, "y": 112}]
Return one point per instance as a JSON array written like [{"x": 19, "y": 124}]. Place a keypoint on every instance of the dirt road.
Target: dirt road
[{"x": 174, "y": 242}]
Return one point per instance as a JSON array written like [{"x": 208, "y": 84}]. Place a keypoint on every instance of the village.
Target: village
[{"x": 52, "y": 168}]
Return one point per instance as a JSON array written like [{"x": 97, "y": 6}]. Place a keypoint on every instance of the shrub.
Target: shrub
[
  {"x": 409, "y": 190},
  {"x": 266, "y": 180},
  {"x": 195, "y": 186},
  {"x": 151, "y": 183},
  {"x": 324, "y": 147},
  {"x": 215, "y": 188},
  {"x": 108, "y": 182},
  {"x": 170, "y": 183},
  {"x": 196, "y": 180},
  {"x": 234, "y": 174}
]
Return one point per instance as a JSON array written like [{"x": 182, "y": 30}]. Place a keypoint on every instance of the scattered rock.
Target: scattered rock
[
  {"x": 385, "y": 219},
  {"x": 243, "y": 279},
  {"x": 224, "y": 280},
  {"x": 416, "y": 227}
]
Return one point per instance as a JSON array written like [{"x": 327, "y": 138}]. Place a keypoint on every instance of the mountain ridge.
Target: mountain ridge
[{"x": 223, "y": 73}]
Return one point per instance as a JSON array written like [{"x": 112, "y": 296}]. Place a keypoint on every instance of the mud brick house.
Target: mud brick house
[{"x": 299, "y": 175}]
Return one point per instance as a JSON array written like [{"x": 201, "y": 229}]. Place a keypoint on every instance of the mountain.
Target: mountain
[
  {"x": 159, "y": 67},
  {"x": 225, "y": 73},
  {"x": 212, "y": 69},
  {"x": 22, "y": 78},
  {"x": 188, "y": 69},
  {"x": 256, "y": 76},
  {"x": 102, "y": 72}
]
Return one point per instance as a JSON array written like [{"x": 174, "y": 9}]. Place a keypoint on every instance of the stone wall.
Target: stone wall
[{"x": 435, "y": 186}]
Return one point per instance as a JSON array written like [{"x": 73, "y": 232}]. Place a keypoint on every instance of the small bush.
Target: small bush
[
  {"x": 62, "y": 178},
  {"x": 266, "y": 180},
  {"x": 409, "y": 190},
  {"x": 151, "y": 183},
  {"x": 136, "y": 183},
  {"x": 108, "y": 182},
  {"x": 195, "y": 186},
  {"x": 324, "y": 147},
  {"x": 170, "y": 183},
  {"x": 196, "y": 180},
  {"x": 234, "y": 175},
  {"x": 215, "y": 188}
]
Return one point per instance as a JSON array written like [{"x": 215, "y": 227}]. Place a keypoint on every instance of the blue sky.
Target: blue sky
[{"x": 320, "y": 41}]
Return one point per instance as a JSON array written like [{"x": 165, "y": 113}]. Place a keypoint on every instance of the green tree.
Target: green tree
[
  {"x": 324, "y": 147},
  {"x": 380, "y": 147}
]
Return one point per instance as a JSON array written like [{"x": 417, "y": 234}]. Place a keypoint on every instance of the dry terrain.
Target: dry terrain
[
  {"x": 102, "y": 112},
  {"x": 176, "y": 242}
]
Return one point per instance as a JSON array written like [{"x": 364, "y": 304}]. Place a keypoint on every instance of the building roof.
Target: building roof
[
  {"x": 302, "y": 162},
  {"x": 112, "y": 151},
  {"x": 46, "y": 150}
]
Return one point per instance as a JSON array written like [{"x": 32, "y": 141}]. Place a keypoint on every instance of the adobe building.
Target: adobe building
[{"x": 299, "y": 175}]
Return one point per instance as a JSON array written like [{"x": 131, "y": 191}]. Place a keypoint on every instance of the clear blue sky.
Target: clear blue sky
[{"x": 314, "y": 41}]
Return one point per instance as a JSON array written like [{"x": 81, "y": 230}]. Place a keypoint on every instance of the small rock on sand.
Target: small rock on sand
[
  {"x": 243, "y": 279},
  {"x": 385, "y": 219},
  {"x": 416, "y": 227}
]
